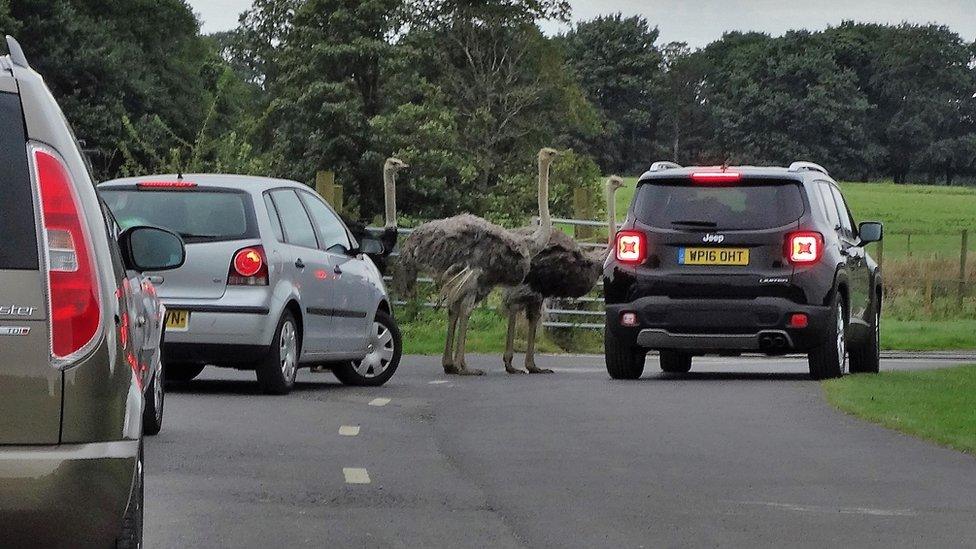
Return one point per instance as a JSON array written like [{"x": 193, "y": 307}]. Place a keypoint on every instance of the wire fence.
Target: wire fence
[{"x": 932, "y": 268}]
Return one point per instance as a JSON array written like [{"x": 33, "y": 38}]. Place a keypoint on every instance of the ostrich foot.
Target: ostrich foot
[
  {"x": 512, "y": 370},
  {"x": 451, "y": 370},
  {"x": 466, "y": 372},
  {"x": 533, "y": 369}
]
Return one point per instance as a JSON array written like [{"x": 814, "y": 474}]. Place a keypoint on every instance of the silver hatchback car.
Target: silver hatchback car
[{"x": 273, "y": 280}]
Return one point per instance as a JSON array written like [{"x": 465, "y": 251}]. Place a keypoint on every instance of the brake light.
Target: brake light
[
  {"x": 248, "y": 268},
  {"x": 804, "y": 248},
  {"x": 716, "y": 177},
  {"x": 166, "y": 185},
  {"x": 631, "y": 247},
  {"x": 73, "y": 294}
]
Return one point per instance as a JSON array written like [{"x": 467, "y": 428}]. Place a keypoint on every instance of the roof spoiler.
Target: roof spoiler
[
  {"x": 17, "y": 53},
  {"x": 808, "y": 166}
]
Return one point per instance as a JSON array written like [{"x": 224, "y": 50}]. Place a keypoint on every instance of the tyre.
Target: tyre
[
  {"x": 866, "y": 357},
  {"x": 131, "y": 536},
  {"x": 181, "y": 372},
  {"x": 675, "y": 363},
  {"x": 152, "y": 412},
  {"x": 829, "y": 360},
  {"x": 378, "y": 366},
  {"x": 623, "y": 361},
  {"x": 276, "y": 373}
]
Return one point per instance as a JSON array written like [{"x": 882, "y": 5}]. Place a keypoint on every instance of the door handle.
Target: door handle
[
  {"x": 337, "y": 270},
  {"x": 299, "y": 263}
]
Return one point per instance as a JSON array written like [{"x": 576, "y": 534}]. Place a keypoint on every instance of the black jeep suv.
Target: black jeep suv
[{"x": 738, "y": 260}]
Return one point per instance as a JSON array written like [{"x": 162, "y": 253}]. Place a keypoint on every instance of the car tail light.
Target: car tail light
[
  {"x": 716, "y": 177},
  {"x": 631, "y": 247},
  {"x": 799, "y": 320},
  {"x": 804, "y": 248},
  {"x": 163, "y": 185},
  {"x": 73, "y": 293},
  {"x": 248, "y": 268}
]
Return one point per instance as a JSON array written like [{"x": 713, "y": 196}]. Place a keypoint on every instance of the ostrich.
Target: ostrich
[
  {"x": 562, "y": 269},
  {"x": 389, "y": 235},
  {"x": 468, "y": 256}
]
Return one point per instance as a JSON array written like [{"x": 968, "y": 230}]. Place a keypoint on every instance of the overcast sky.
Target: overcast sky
[{"x": 698, "y": 22}]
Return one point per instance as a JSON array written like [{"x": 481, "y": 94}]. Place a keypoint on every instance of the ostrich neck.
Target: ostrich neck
[
  {"x": 389, "y": 194},
  {"x": 540, "y": 238},
  {"x": 611, "y": 216}
]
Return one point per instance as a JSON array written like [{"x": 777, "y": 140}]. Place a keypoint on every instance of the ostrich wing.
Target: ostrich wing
[{"x": 562, "y": 269}]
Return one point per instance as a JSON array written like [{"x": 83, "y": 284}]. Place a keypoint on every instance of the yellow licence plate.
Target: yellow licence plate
[
  {"x": 177, "y": 321},
  {"x": 713, "y": 256}
]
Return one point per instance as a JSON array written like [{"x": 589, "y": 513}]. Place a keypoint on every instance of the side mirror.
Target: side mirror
[
  {"x": 151, "y": 249},
  {"x": 371, "y": 246},
  {"x": 870, "y": 231}
]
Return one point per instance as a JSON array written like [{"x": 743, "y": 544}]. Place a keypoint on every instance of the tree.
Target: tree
[
  {"x": 685, "y": 116},
  {"x": 330, "y": 86},
  {"x": 776, "y": 100},
  {"x": 619, "y": 68}
]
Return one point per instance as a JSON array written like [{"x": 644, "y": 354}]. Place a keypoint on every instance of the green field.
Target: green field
[{"x": 936, "y": 405}]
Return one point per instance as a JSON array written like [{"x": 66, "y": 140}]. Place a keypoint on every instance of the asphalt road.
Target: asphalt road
[{"x": 740, "y": 453}]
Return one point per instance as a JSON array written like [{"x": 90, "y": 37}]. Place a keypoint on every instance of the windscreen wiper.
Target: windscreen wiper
[{"x": 692, "y": 223}]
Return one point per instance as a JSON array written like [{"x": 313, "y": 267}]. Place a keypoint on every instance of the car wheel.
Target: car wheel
[
  {"x": 829, "y": 360},
  {"x": 181, "y": 372},
  {"x": 152, "y": 412},
  {"x": 623, "y": 361},
  {"x": 276, "y": 373},
  {"x": 385, "y": 347},
  {"x": 675, "y": 363},
  {"x": 866, "y": 358},
  {"x": 131, "y": 537}
]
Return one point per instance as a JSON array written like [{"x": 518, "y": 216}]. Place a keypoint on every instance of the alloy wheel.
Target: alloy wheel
[
  {"x": 288, "y": 350},
  {"x": 381, "y": 349}
]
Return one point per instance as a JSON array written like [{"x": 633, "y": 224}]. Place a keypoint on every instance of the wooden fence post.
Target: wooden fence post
[
  {"x": 909, "y": 244},
  {"x": 582, "y": 209},
  {"x": 326, "y": 186},
  {"x": 881, "y": 253},
  {"x": 962, "y": 265}
]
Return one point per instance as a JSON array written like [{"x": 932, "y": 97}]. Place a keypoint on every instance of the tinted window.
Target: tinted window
[
  {"x": 827, "y": 201},
  {"x": 19, "y": 250},
  {"x": 196, "y": 215},
  {"x": 330, "y": 229},
  {"x": 273, "y": 216},
  {"x": 842, "y": 211},
  {"x": 294, "y": 219},
  {"x": 680, "y": 204}
]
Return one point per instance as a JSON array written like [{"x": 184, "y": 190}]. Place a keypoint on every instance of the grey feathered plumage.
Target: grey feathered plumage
[{"x": 439, "y": 247}]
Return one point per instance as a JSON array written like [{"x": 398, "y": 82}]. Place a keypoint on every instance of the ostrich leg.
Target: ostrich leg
[
  {"x": 534, "y": 314},
  {"x": 466, "y": 307},
  {"x": 448, "y": 360},
  {"x": 510, "y": 343}
]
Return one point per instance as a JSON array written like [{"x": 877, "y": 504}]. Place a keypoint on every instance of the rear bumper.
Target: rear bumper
[
  {"x": 71, "y": 495},
  {"x": 715, "y": 326},
  {"x": 223, "y": 325}
]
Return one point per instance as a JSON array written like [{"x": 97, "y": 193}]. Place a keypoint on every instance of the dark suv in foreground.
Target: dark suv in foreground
[
  {"x": 736, "y": 260},
  {"x": 74, "y": 367}
]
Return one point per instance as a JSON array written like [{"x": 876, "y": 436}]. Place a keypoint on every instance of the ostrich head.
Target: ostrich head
[
  {"x": 548, "y": 156},
  {"x": 390, "y": 169},
  {"x": 394, "y": 164},
  {"x": 614, "y": 182}
]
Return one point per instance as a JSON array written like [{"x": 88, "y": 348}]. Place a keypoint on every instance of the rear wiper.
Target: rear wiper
[{"x": 695, "y": 223}]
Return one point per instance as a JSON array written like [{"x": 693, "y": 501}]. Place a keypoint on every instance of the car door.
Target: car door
[
  {"x": 860, "y": 276},
  {"x": 350, "y": 299},
  {"x": 308, "y": 267}
]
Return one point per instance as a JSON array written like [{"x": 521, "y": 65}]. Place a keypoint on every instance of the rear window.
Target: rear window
[
  {"x": 744, "y": 206},
  {"x": 198, "y": 216},
  {"x": 17, "y": 231}
]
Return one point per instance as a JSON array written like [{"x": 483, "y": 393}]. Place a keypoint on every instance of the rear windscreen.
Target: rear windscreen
[
  {"x": 18, "y": 236},
  {"x": 744, "y": 206},
  {"x": 198, "y": 216}
]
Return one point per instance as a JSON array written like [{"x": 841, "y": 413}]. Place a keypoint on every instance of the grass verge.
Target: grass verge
[
  {"x": 936, "y": 405},
  {"x": 927, "y": 335}
]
